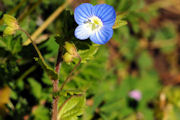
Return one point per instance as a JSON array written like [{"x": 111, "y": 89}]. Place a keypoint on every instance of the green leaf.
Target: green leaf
[
  {"x": 70, "y": 92},
  {"x": 50, "y": 71},
  {"x": 17, "y": 46},
  {"x": 36, "y": 88},
  {"x": 119, "y": 22},
  {"x": 41, "y": 113},
  {"x": 89, "y": 53},
  {"x": 51, "y": 46},
  {"x": 173, "y": 95},
  {"x": 72, "y": 107},
  {"x": 11, "y": 43},
  {"x": 145, "y": 61}
]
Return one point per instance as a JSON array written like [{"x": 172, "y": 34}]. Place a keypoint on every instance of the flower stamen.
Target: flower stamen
[{"x": 94, "y": 23}]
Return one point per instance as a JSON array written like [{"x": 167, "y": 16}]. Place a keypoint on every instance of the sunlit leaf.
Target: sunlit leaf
[
  {"x": 88, "y": 54},
  {"x": 72, "y": 108},
  {"x": 119, "y": 22},
  {"x": 41, "y": 113},
  {"x": 36, "y": 88}
]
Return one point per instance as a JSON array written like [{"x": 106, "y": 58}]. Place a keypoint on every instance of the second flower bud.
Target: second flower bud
[{"x": 71, "y": 52}]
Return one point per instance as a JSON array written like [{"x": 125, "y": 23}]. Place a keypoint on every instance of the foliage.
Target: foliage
[{"x": 72, "y": 108}]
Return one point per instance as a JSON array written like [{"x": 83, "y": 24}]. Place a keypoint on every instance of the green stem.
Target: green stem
[
  {"x": 70, "y": 74},
  {"x": 26, "y": 73},
  {"x": 33, "y": 43},
  {"x": 55, "y": 85}
]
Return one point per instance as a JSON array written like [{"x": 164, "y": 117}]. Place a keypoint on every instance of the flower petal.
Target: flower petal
[
  {"x": 82, "y": 32},
  {"x": 102, "y": 36},
  {"x": 83, "y": 12},
  {"x": 106, "y": 13}
]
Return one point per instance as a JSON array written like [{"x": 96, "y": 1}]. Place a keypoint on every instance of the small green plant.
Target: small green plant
[
  {"x": 88, "y": 60},
  {"x": 68, "y": 52}
]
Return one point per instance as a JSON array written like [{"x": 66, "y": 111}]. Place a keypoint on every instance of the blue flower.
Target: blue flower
[{"x": 95, "y": 22}]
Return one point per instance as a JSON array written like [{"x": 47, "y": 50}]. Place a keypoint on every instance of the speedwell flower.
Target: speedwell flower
[{"x": 95, "y": 22}]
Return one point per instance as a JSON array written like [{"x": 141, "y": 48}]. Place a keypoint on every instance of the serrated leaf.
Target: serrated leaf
[
  {"x": 88, "y": 54},
  {"x": 70, "y": 92},
  {"x": 72, "y": 107},
  {"x": 50, "y": 71},
  {"x": 119, "y": 22},
  {"x": 11, "y": 43}
]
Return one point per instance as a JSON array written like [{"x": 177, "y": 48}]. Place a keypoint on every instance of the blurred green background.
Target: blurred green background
[{"x": 142, "y": 55}]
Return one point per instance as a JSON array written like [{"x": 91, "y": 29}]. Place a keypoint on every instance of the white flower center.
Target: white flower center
[{"x": 94, "y": 24}]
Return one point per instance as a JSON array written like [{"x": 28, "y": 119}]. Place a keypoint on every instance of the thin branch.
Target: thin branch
[
  {"x": 69, "y": 76},
  {"x": 27, "y": 72},
  {"x": 33, "y": 43}
]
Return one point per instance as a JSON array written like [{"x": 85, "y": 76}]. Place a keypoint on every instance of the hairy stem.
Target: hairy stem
[
  {"x": 33, "y": 43},
  {"x": 70, "y": 74},
  {"x": 57, "y": 69},
  {"x": 55, "y": 85}
]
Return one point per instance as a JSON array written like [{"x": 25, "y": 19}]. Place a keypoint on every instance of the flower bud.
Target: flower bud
[
  {"x": 71, "y": 49},
  {"x": 68, "y": 57},
  {"x": 10, "y": 21},
  {"x": 9, "y": 31},
  {"x": 12, "y": 24}
]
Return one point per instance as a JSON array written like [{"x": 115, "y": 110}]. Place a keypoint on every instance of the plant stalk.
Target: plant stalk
[
  {"x": 55, "y": 85},
  {"x": 70, "y": 74},
  {"x": 33, "y": 43}
]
